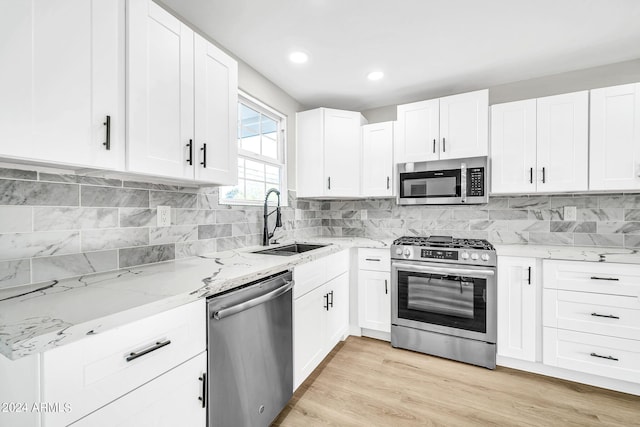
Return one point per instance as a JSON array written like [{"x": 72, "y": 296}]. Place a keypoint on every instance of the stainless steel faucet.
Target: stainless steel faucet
[{"x": 265, "y": 231}]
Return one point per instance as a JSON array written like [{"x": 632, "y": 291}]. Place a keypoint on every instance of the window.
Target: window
[{"x": 261, "y": 154}]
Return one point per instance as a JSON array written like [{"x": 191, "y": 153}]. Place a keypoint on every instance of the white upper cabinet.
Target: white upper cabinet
[
  {"x": 418, "y": 131},
  {"x": 328, "y": 153},
  {"x": 540, "y": 145},
  {"x": 446, "y": 128},
  {"x": 182, "y": 100},
  {"x": 216, "y": 114},
  {"x": 160, "y": 93},
  {"x": 377, "y": 160},
  {"x": 62, "y": 74},
  {"x": 615, "y": 138},
  {"x": 513, "y": 147},
  {"x": 562, "y": 148},
  {"x": 464, "y": 123}
]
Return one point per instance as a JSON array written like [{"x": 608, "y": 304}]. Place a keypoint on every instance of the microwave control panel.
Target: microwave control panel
[
  {"x": 438, "y": 254},
  {"x": 475, "y": 182}
]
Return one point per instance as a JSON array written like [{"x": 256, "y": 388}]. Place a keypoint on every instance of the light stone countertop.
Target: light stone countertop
[{"x": 39, "y": 317}]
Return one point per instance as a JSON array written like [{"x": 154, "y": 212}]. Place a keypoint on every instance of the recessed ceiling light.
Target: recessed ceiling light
[
  {"x": 375, "y": 75},
  {"x": 298, "y": 57}
]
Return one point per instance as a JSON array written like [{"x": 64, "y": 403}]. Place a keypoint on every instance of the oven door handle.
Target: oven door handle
[{"x": 444, "y": 270}]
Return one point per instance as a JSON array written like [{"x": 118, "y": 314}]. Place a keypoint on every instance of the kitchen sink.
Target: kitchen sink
[{"x": 288, "y": 250}]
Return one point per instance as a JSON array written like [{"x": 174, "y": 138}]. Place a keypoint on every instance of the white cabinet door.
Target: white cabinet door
[
  {"x": 62, "y": 74},
  {"x": 374, "y": 300},
  {"x": 172, "y": 399},
  {"x": 160, "y": 92},
  {"x": 418, "y": 132},
  {"x": 216, "y": 115},
  {"x": 517, "y": 307},
  {"x": 513, "y": 147},
  {"x": 310, "y": 178},
  {"x": 377, "y": 160},
  {"x": 562, "y": 149},
  {"x": 615, "y": 138},
  {"x": 464, "y": 123},
  {"x": 337, "y": 317},
  {"x": 342, "y": 152},
  {"x": 309, "y": 323}
]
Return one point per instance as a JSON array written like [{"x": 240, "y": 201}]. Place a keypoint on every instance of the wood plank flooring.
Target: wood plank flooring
[{"x": 366, "y": 382}]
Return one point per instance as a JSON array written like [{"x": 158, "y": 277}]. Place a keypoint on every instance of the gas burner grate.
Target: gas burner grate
[{"x": 443, "y": 242}]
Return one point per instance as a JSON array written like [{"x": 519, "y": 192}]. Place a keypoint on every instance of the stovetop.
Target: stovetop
[
  {"x": 444, "y": 242},
  {"x": 444, "y": 249}
]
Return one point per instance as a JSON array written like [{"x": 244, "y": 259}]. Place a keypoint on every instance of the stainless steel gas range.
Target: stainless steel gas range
[{"x": 444, "y": 298}]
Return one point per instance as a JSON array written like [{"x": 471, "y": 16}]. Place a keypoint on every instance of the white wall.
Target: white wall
[{"x": 590, "y": 78}]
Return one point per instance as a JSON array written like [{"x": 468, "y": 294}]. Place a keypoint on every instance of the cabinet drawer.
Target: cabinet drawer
[
  {"x": 594, "y": 354},
  {"x": 94, "y": 371},
  {"x": 615, "y": 279},
  {"x": 613, "y": 315},
  {"x": 309, "y": 276},
  {"x": 374, "y": 259},
  {"x": 336, "y": 264}
]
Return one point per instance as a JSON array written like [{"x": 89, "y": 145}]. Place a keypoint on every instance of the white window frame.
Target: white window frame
[{"x": 277, "y": 116}]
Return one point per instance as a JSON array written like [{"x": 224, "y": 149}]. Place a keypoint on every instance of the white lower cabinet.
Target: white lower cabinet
[
  {"x": 591, "y": 318},
  {"x": 374, "y": 290},
  {"x": 320, "y": 312},
  {"x": 130, "y": 372},
  {"x": 172, "y": 399},
  {"x": 518, "y": 308}
]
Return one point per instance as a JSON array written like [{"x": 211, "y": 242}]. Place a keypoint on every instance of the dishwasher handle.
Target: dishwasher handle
[{"x": 230, "y": 311}]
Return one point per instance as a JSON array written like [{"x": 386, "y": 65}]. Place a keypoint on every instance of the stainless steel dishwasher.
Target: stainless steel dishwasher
[{"x": 250, "y": 345}]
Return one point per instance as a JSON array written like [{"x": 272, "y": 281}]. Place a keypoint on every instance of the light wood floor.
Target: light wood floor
[{"x": 366, "y": 382}]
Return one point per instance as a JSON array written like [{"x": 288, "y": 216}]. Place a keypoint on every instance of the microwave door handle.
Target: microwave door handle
[
  {"x": 444, "y": 270},
  {"x": 463, "y": 182}
]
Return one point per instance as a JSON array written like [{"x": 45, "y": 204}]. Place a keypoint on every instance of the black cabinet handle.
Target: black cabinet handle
[
  {"x": 603, "y": 357},
  {"x": 529, "y": 276},
  {"x": 329, "y": 183},
  {"x": 190, "y": 145},
  {"x": 203, "y": 398},
  {"x": 387, "y": 183},
  {"x": 326, "y": 302},
  {"x": 609, "y": 316},
  {"x": 158, "y": 345},
  {"x": 434, "y": 145},
  {"x": 544, "y": 179},
  {"x": 386, "y": 288},
  {"x": 530, "y": 175},
  {"x": 444, "y": 145},
  {"x": 613, "y": 279},
  {"x": 331, "y": 302},
  {"x": 372, "y": 259},
  {"x": 204, "y": 156},
  {"x": 107, "y": 143}
]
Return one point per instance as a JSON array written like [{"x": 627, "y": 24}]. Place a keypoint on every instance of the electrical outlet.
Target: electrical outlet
[
  {"x": 164, "y": 216},
  {"x": 569, "y": 213}
]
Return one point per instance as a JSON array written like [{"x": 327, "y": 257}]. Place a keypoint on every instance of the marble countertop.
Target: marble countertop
[{"x": 43, "y": 316}]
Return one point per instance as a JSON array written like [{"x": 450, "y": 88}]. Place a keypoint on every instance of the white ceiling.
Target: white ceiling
[{"x": 426, "y": 48}]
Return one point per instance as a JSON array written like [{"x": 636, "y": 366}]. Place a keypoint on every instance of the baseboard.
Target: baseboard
[{"x": 379, "y": 335}]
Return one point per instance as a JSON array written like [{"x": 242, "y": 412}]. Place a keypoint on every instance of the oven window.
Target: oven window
[{"x": 453, "y": 301}]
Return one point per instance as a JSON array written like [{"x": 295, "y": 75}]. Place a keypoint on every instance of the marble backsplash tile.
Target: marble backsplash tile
[
  {"x": 55, "y": 226},
  {"x": 610, "y": 220}
]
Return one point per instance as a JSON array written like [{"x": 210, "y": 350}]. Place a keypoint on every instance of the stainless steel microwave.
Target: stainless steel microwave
[{"x": 443, "y": 182}]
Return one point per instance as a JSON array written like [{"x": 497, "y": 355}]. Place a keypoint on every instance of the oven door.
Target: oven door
[{"x": 453, "y": 300}]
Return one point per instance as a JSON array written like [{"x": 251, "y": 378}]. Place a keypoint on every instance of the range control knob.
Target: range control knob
[
  {"x": 399, "y": 251},
  {"x": 464, "y": 255},
  {"x": 485, "y": 257},
  {"x": 474, "y": 256},
  {"x": 407, "y": 252}
]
